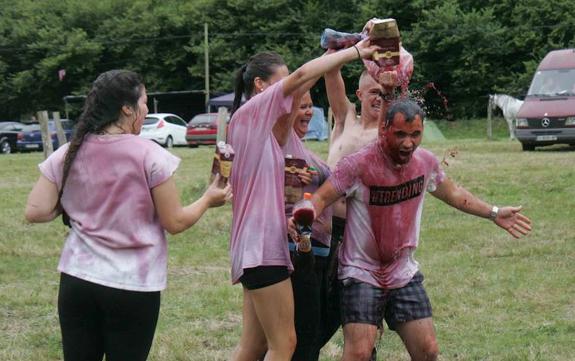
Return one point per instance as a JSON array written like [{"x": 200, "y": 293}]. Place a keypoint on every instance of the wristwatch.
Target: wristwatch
[{"x": 493, "y": 213}]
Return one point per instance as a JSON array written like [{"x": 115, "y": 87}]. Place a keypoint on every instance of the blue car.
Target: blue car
[{"x": 30, "y": 138}]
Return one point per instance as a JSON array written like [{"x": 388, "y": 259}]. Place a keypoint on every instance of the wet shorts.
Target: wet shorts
[
  {"x": 263, "y": 276},
  {"x": 364, "y": 303}
]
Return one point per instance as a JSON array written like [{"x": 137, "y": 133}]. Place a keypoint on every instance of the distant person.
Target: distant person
[
  {"x": 385, "y": 183},
  {"x": 118, "y": 195},
  {"x": 259, "y": 247}
]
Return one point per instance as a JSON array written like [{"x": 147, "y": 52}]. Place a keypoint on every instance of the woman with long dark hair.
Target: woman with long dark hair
[
  {"x": 259, "y": 246},
  {"x": 117, "y": 193}
]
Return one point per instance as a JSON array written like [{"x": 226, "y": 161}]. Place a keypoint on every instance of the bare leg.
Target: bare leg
[
  {"x": 271, "y": 314},
  {"x": 418, "y": 336},
  {"x": 253, "y": 340},
  {"x": 359, "y": 339}
]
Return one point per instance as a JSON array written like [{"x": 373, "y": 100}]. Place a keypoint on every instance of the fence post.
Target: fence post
[
  {"x": 222, "y": 124},
  {"x": 59, "y": 130},
  {"x": 489, "y": 123},
  {"x": 46, "y": 136}
]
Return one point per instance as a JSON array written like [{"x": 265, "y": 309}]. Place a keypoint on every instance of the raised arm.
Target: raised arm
[
  {"x": 508, "y": 218},
  {"x": 338, "y": 101},
  {"x": 175, "y": 218},
  {"x": 297, "y": 82}
]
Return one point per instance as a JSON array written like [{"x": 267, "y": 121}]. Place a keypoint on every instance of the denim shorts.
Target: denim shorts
[{"x": 364, "y": 303}]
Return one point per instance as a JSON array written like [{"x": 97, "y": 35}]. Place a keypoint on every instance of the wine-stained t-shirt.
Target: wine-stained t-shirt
[
  {"x": 259, "y": 229},
  {"x": 321, "y": 228},
  {"x": 384, "y": 205},
  {"x": 116, "y": 239}
]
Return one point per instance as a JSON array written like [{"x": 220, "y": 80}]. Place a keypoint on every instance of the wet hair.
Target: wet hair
[
  {"x": 407, "y": 107},
  {"x": 109, "y": 93},
  {"x": 262, "y": 65}
]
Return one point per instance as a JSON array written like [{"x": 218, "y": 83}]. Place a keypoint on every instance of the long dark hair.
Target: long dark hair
[
  {"x": 262, "y": 65},
  {"x": 109, "y": 93}
]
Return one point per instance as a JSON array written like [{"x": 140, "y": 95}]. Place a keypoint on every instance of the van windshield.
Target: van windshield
[{"x": 551, "y": 83}]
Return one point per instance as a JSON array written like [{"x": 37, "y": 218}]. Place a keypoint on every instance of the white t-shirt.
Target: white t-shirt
[{"x": 116, "y": 239}]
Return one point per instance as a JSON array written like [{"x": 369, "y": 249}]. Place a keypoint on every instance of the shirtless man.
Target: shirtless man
[{"x": 350, "y": 132}]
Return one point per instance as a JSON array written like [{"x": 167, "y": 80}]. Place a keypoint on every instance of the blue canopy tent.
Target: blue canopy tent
[
  {"x": 226, "y": 100},
  {"x": 317, "y": 129}
]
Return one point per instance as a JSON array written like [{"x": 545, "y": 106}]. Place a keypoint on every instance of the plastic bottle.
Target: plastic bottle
[
  {"x": 304, "y": 215},
  {"x": 333, "y": 39}
]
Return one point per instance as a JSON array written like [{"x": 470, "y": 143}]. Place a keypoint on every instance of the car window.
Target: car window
[
  {"x": 203, "y": 119},
  {"x": 179, "y": 121},
  {"x": 66, "y": 125},
  {"x": 150, "y": 120},
  {"x": 553, "y": 82},
  {"x": 12, "y": 126}
]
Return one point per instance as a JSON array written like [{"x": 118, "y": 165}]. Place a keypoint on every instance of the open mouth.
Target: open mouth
[{"x": 405, "y": 153}]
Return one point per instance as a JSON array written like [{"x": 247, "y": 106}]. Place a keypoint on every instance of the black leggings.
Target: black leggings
[{"x": 97, "y": 320}]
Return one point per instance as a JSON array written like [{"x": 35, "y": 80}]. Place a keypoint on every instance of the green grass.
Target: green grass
[{"x": 494, "y": 298}]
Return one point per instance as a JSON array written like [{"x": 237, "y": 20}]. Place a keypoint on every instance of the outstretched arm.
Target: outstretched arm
[
  {"x": 322, "y": 198},
  {"x": 175, "y": 218},
  {"x": 508, "y": 218}
]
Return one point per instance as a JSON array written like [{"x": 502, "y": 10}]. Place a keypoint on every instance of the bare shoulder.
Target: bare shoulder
[{"x": 353, "y": 139}]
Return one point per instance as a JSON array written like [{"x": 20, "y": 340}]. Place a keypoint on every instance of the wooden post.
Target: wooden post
[
  {"x": 222, "y": 124},
  {"x": 46, "y": 136},
  {"x": 489, "y": 124},
  {"x": 59, "y": 130},
  {"x": 207, "y": 67}
]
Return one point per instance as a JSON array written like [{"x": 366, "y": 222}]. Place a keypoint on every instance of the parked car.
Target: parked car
[
  {"x": 11, "y": 126},
  {"x": 30, "y": 137},
  {"x": 547, "y": 116},
  {"x": 165, "y": 129},
  {"x": 8, "y": 136},
  {"x": 203, "y": 129}
]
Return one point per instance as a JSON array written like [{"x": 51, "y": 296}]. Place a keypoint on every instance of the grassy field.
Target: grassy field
[{"x": 495, "y": 298}]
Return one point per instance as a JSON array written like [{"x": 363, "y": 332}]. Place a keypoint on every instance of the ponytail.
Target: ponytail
[
  {"x": 109, "y": 93},
  {"x": 262, "y": 65},
  {"x": 239, "y": 88}
]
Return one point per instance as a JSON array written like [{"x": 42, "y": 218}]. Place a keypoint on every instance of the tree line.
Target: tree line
[{"x": 466, "y": 49}]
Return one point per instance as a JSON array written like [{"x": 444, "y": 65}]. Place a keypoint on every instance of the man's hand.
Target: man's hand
[{"x": 511, "y": 220}]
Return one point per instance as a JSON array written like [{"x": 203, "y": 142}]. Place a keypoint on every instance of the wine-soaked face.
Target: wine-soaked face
[{"x": 402, "y": 137}]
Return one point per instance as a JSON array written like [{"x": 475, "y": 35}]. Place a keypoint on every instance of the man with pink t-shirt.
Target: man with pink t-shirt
[{"x": 385, "y": 184}]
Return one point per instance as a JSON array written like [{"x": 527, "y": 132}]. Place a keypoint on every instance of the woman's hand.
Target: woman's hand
[
  {"x": 366, "y": 49},
  {"x": 217, "y": 196},
  {"x": 306, "y": 176}
]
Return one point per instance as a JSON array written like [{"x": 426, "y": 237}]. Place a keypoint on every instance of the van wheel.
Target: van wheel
[
  {"x": 169, "y": 142},
  {"x": 527, "y": 147}
]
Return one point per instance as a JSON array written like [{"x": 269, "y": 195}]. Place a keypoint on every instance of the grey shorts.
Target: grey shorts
[{"x": 364, "y": 303}]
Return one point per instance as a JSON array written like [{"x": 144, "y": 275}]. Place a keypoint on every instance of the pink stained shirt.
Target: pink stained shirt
[
  {"x": 384, "y": 206},
  {"x": 321, "y": 228},
  {"x": 259, "y": 229},
  {"x": 116, "y": 239}
]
